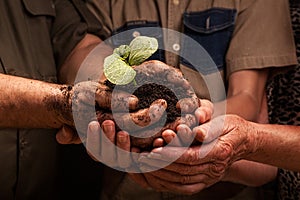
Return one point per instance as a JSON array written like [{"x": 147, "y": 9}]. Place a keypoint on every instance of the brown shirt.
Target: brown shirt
[{"x": 35, "y": 38}]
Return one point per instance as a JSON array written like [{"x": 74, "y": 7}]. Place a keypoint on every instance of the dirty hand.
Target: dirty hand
[{"x": 172, "y": 78}]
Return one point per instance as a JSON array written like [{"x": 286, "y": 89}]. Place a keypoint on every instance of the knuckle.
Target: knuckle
[
  {"x": 193, "y": 157},
  {"x": 185, "y": 180},
  {"x": 218, "y": 168},
  {"x": 226, "y": 151}
]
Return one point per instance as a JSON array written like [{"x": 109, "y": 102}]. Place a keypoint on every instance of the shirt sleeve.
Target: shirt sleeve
[
  {"x": 72, "y": 22},
  {"x": 101, "y": 9},
  {"x": 262, "y": 37}
]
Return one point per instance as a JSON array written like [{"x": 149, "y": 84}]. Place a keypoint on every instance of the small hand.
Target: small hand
[{"x": 106, "y": 146}]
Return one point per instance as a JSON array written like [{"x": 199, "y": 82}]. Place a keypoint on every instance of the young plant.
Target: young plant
[{"x": 118, "y": 66}]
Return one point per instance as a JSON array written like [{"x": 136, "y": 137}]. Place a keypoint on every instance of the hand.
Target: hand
[
  {"x": 172, "y": 78},
  {"x": 105, "y": 145},
  {"x": 86, "y": 93},
  {"x": 200, "y": 166},
  {"x": 182, "y": 126}
]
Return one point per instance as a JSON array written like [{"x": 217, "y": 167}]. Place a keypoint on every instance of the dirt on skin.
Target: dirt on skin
[{"x": 148, "y": 91}]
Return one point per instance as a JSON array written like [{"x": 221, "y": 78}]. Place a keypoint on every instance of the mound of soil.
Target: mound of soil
[{"x": 148, "y": 90}]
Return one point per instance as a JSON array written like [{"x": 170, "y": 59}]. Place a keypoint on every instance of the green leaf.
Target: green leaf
[
  {"x": 141, "y": 48},
  {"x": 117, "y": 71},
  {"x": 123, "y": 51}
]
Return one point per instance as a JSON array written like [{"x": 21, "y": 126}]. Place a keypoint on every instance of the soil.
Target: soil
[{"x": 148, "y": 90}]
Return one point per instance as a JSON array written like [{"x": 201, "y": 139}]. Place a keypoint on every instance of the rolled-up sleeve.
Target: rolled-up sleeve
[
  {"x": 262, "y": 38},
  {"x": 72, "y": 22}
]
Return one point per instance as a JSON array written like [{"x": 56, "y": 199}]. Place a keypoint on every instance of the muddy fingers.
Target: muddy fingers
[{"x": 145, "y": 117}]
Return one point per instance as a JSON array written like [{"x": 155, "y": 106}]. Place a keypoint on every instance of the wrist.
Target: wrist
[
  {"x": 253, "y": 141},
  {"x": 62, "y": 105}
]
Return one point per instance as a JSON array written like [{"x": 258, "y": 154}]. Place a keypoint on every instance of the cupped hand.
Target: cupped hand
[{"x": 199, "y": 166}]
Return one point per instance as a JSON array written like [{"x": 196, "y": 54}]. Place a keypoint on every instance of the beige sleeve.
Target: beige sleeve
[{"x": 262, "y": 37}]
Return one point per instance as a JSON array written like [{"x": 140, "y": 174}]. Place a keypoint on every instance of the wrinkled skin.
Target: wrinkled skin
[{"x": 200, "y": 166}]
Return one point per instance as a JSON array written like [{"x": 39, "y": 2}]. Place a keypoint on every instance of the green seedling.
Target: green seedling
[{"x": 118, "y": 66}]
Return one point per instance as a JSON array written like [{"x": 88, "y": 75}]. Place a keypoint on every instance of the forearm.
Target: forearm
[
  {"x": 246, "y": 89},
  {"x": 27, "y": 103},
  {"x": 276, "y": 145},
  {"x": 241, "y": 104},
  {"x": 250, "y": 173},
  {"x": 68, "y": 71}
]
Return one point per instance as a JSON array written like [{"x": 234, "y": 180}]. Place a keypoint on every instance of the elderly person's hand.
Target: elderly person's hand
[
  {"x": 203, "y": 165},
  {"x": 187, "y": 174}
]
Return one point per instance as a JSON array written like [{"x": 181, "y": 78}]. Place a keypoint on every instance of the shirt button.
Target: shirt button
[
  {"x": 176, "y": 47},
  {"x": 136, "y": 34},
  {"x": 176, "y": 2}
]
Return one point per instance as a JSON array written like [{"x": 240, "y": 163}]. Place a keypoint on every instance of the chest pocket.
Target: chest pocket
[
  {"x": 36, "y": 36},
  {"x": 37, "y": 7},
  {"x": 126, "y": 33},
  {"x": 212, "y": 29}
]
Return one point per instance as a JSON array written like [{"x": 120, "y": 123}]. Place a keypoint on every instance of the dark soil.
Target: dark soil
[{"x": 147, "y": 92}]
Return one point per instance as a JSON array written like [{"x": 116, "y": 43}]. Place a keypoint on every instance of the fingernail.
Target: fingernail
[
  {"x": 157, "y": 150},
  {"x": 133, "y": 101},
  {"x": 141, "y": 158},
  {"x": 64, "y": 132},
  {"x": 122, "y": 138},
  {"x": 94, "y": 127},
  {"x": 183, "y": 107},
  {"x": 154, "y": 155},
  {"x": 107, "y": 128}
]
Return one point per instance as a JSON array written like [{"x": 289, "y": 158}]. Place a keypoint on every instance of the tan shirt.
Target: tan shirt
[{"x": 241, "y": 34}]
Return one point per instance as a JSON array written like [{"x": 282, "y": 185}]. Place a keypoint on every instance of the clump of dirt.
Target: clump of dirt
[{"x": 147, "y": 91}]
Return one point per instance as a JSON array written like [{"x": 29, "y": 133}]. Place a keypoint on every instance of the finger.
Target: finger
[
  {"x": 188, "y": 169},
  {"x": 108, "y": 147},
  {"x": 189, "y": 120},
  {"x": 135, "y": 154},
  {"x": 144, "y": 117},
  {"x": 163, "y": 185},
  {"x": 123, "y": 152},
  {"x": 118, "y": 100},
  {"x": 67, "y": 135},
  {"x": 149, "y": 165},
  {"x": 166, "y": 154},
  {"x": 205, "y": 111},
  {"x": 155, "y": 68},
  {"x": 178, "y": 178},
  {"x": 93, "y": 140},
  {"x": 144, "y": 138},
  {"x": 185, "y": 134},
  {"x": 175, "y": 76},
  {"x": 188, "y": 105},
  {"x": 158, "y": 142},
  {"x": 139, "y": 179},
  {"x": 190, "y": 156},
  {"x": 155, "y": 183},
  {"x": 209, "y": 131},
  {"x": 84, "y": 92},
  {"x": 171, "y": 138}
]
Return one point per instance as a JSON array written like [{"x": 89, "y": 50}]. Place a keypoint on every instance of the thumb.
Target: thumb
[
  {"x": 67, "y": 135},
  {"x": 209, "y": 131}
]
